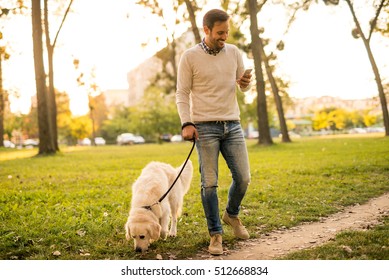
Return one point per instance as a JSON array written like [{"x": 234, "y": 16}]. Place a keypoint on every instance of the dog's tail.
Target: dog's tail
[{"x": 186, "y": 175}]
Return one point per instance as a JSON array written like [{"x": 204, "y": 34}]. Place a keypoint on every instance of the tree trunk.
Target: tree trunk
[
  {"x": 50, "y": 55},
  {"x": 92, "y": 107},
  {"x": 192, "y": 18},
  {"x": 45, "y": 143},
  {"x": 381, "y": 92},
  {"x": 52, "y": 105},
  {"x": 277, "y": 97},
  {"x": 264, "y": 136}
]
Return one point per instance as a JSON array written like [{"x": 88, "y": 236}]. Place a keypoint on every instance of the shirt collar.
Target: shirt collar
[{"x": 208, "y": 50}]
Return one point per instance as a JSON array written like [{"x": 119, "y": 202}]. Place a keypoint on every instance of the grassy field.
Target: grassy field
[{"x": 74, "y": 205}]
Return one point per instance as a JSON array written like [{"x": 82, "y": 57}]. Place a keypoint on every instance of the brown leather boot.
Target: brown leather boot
[
  {"x": 239, "y": 230},
  {"x": 215, "y": 246}
]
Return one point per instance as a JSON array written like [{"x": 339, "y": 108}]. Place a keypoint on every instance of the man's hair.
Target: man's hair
[{"x": 213, "y": 16}]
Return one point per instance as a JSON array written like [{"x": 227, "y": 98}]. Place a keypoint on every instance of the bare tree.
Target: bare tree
[
  {"x": 46, "y": 143},
  {"x": 358, "y": 33},
  {"x": 277, "y": 97},
  {"x": 274, "y": 87},
  {"x": 50, "y": 55},
  {"x": 264, "y": 136}
]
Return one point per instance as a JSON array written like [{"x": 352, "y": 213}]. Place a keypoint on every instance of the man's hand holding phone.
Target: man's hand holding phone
[{"x": 245, "y": 80}]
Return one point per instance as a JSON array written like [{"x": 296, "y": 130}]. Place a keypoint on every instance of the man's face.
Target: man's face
[{"x": 216, "y": 37}]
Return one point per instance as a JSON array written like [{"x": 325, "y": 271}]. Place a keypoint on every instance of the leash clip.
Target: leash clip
[{"x": 148, "y": 207}]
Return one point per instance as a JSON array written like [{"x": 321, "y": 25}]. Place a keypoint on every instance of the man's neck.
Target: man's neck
[{"x": 208, "y": 49}]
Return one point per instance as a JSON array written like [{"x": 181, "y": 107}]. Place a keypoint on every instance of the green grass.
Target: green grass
[
  {"x": 370, "y": 244},
  {"x": 77, "y": 202}
]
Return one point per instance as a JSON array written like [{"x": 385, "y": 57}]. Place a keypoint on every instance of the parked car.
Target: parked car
[
  {"x": 375, "y": 129},
  {"x": 125, "y": 139},
  {"x": 99, "y": 141},
  {"x": 139, "y": 139},
  {"x": 176, "y": 138},
  {"x": 358, "y": 130},
  {"x": 86, "y": 142},
  {"x": 8, "y": 144},
  {"x": 30, "y": 143},
  {"x": 165, "y": 137}
]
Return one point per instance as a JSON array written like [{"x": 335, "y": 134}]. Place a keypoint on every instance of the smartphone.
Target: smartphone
[{"x": 247, "y": 72}]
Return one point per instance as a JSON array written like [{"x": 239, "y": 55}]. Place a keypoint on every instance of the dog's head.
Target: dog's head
[{"x": 143, "y": 231}]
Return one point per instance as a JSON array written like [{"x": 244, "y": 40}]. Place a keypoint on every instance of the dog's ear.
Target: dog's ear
[{"x": 154, "y": 231}]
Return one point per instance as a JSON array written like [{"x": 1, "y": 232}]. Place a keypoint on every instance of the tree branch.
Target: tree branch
[
  {"x": 296, "y": 9},
  {"x": 63, "y": 20},
  {"x": 359, "y": 28},
  {"x": 374, "y": 22}
]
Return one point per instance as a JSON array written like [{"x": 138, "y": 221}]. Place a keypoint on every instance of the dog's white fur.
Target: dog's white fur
[{"x": 146, "y": 226}]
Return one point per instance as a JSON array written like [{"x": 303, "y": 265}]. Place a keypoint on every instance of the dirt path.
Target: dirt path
[{"x": 281, "y": 242}]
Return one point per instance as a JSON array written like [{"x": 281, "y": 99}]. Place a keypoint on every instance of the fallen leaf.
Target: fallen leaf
[{"x": 347, "y": 249}]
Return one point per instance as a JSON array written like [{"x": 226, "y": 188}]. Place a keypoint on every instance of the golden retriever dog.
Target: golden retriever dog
[{"x": 147, "y": 224}]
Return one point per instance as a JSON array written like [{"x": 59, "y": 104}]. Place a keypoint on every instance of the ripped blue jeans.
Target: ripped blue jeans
[{"x": 227, "y": 138}]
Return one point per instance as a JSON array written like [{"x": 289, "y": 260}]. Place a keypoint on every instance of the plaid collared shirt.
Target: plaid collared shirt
[{"x": 207, "y": 49}]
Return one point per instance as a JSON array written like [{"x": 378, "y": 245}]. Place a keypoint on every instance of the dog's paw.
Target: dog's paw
[
  {"x": 173, "y": 233},
  {"x": 163, "y": 235}
]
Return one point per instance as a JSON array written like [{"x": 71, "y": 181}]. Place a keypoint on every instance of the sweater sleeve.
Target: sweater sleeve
[{"x": 184, "y": 88}]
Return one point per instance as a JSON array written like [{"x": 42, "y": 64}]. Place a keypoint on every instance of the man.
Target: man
[{"x": 208, "y": 108}]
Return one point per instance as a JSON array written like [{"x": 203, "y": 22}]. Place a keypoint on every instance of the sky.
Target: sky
[{"x": 110, "y": 38}]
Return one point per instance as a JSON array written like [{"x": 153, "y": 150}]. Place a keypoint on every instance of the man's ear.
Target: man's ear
[{"x": 206, "y": 30}]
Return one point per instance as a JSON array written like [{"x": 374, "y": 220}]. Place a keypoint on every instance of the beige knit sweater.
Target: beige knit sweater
[{"x": 206, "y": 85}]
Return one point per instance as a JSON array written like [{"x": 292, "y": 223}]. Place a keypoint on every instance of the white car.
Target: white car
[
  {"x": 139, "y": 139},
  {"x": 129, "y": 139},
  {"x": 99, "y": 141},
  {"x": 30, "y": 143},
  {"x": 8, "y": 144},
  {"x": 176, "y": 138},
  {"x": 125, "y": 139},
  {"x": 86, "y": 142}
]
